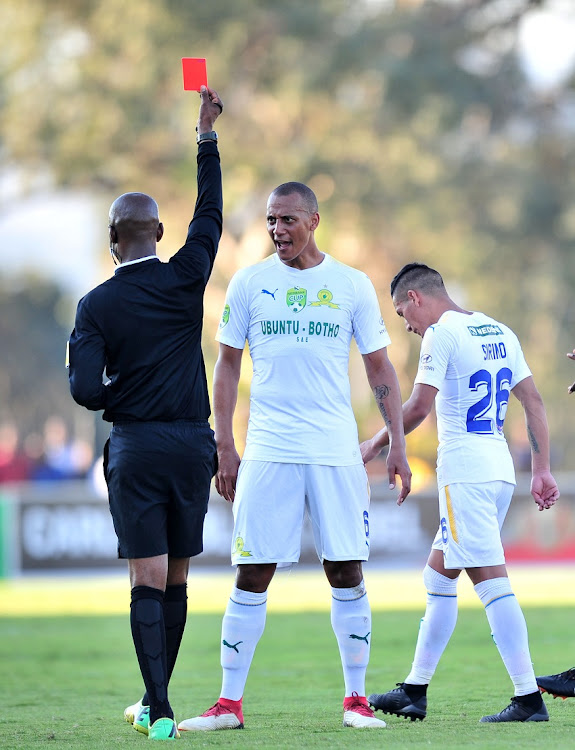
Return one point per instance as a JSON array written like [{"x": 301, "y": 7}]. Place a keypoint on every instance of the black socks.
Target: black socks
[
  {"x": 175, "y": 614},
  {"x": 149, "y": 635}
]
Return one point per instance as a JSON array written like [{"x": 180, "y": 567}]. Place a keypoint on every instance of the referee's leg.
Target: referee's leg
[
  {"x": 148, "y": 577},
  {"x": 175, "y": 608}
]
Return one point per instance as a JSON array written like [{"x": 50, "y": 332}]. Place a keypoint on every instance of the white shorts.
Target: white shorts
[
  {"x": 471, "y": 517},
  {"x": 270, "y": 503}
]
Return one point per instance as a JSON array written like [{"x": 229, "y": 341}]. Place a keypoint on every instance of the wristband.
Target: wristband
[{"x": 210, "y": 136}]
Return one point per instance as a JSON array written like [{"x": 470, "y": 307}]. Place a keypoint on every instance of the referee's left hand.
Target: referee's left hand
[{"x": 211, "y": 107}]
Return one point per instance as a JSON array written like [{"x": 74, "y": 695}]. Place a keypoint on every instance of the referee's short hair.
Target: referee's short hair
[
  {"x": 308, "y": 196},
  {"x": 416, "y": 276}
]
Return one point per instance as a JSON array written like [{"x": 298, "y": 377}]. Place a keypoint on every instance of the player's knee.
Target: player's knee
[
  {"x": 255, "y": 578},
  {"x": 438, "y": 583},
  {"x": 343, "y": 574}
]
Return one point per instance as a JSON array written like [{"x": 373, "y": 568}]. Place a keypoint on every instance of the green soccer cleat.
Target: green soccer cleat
[
  {"x": 138, "y": 716},
  {"x": 163, "y": 729}
]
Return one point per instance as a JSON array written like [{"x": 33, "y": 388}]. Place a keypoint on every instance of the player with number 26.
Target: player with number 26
[{"x": 468, "y": 367}]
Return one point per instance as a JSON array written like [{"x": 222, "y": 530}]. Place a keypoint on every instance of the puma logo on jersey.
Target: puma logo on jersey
[{"x": 272, "y": 294}]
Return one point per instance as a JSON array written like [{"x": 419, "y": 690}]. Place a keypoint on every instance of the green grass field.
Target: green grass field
[{"x": 67, "y": 679}]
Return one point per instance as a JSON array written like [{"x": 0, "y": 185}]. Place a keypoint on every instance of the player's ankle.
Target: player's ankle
[
  {"x": 415, "y": 692},
  {"x": 233, "y": 705}
]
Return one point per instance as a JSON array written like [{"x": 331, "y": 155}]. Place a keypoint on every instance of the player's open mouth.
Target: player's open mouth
[{"x": 282, "y": 245}]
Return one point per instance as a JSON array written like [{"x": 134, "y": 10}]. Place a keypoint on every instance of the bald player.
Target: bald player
[{"x": 135, "y": 352}]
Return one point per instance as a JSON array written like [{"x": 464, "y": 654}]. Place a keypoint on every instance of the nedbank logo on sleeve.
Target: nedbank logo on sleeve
[
  {"x": 225, "y": 317},
  {"x": 296, "y": 299},
  {"x": 324, "y": 297},
  {"x": 485, "y": 330}
]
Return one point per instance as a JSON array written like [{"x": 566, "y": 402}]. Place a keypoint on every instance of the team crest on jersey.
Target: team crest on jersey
[
  {"x": 296, "y": 299},
  {"x": 225, "y": 317},
  {"x": 324, "y": 299}
]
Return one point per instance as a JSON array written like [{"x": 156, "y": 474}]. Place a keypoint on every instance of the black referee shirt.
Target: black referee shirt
[{"x": 144, "y": 325}]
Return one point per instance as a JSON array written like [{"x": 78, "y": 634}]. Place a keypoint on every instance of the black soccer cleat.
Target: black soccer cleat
[
  {"x": 523, "y": 708},
  {"x": 398, "y": 702},
  {"x": 560, "y": 685}
]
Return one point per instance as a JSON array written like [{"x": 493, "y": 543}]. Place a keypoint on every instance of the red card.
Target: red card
[{"x": 195, "y": 75}]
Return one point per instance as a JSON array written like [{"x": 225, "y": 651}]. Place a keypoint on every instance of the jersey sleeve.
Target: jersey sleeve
[
  {"x": 369, "y": 329},
  {"x": 87, "y": 360},
  {"x": 196, "y": 257},
  {"x": 234, "y": 324},
  {"x": 436, "y": 349}
]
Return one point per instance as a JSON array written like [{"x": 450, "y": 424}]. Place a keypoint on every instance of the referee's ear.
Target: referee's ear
[{"x": 160, "y": 232}]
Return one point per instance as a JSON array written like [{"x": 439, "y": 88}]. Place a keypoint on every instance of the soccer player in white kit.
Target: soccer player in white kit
[
  {"x": 469, "y": 364},
  {"x": 298, "y": 310}
]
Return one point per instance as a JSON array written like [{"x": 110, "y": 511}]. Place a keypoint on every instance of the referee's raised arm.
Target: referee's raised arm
[{"x": 205, "y": 229}]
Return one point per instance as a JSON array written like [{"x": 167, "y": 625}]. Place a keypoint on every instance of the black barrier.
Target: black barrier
[{"x": 67, "y": 526}]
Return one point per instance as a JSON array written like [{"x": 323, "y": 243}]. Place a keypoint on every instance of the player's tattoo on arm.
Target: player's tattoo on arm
[
  {"x": 532, "y": 440},
  {"x": 381, "y": 392}
]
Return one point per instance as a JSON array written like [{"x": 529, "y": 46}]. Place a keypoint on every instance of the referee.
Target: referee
[{"x": 135, "y": 352}]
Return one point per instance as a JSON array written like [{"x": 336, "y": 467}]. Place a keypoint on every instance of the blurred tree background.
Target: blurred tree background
[{"x": 416, "y": 123}]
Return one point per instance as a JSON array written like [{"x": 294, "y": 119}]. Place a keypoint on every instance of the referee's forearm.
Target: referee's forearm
[
  {"x": 209, "y": 201},
  {"x": 87, "y": 394},
  {"x": 207, "y": 223}
]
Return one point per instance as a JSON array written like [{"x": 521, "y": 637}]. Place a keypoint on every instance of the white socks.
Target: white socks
[
  {"x": 242, "y": 627},
  {"x": 244, "y": 623},
  {"x": 245, "y": 617},
  {"x": 436, "y": 626},
  {"x": 351, "y": 623},
  {"x": 509, "y": 632}
]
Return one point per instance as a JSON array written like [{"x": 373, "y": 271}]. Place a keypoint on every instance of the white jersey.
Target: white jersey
[
  {"x": 474, "y": 362},
  {"x": 299, "y": 325}
]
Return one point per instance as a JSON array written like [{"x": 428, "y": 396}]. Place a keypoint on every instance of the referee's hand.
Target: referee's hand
[{"x": 211, "y": 107}]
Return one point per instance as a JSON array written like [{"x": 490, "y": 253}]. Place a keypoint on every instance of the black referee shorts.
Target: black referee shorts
[{"x": 158, "y": 476}]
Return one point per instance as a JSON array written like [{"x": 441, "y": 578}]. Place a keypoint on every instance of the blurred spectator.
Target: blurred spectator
[
  {"x": 14, "y": 465},
  {"x": 58, "y": 450},
  {"x": 53, "y": 457}
]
